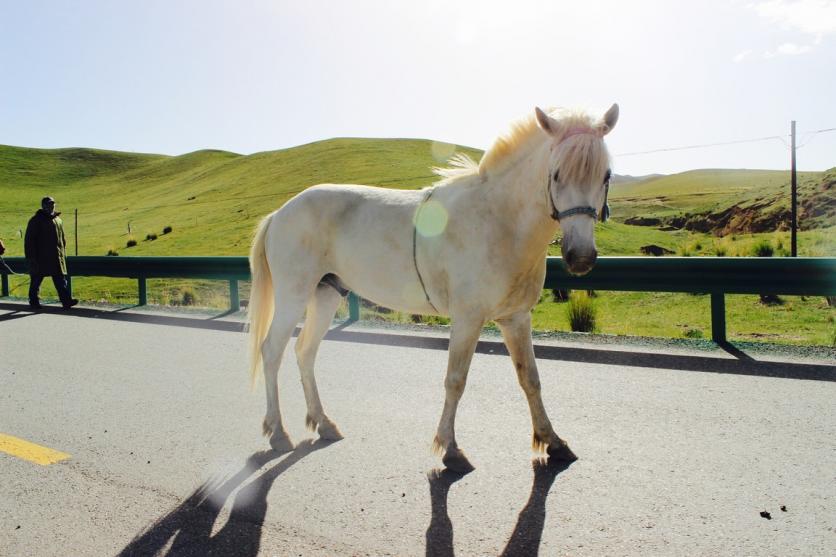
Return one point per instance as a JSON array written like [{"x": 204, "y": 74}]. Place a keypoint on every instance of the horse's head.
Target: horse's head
[{"x": 578, "y": 181}]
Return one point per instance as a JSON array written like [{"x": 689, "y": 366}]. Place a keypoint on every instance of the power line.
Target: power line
[
  {"x": 781, "y": 138},
  {"x": 811, "y": 135},
  {"x": 704, "y": 145}
]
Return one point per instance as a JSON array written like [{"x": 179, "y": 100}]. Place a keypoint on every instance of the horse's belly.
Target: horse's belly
[{"x": 372, "y": 252}]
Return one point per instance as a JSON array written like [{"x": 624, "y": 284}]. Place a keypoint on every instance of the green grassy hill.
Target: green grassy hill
[
  {"x": 213, "y": 200},
  {"x": 729, "y": 201}
]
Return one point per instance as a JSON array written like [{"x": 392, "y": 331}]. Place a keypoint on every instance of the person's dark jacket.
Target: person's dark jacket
[{"x": 45, "y": 244}]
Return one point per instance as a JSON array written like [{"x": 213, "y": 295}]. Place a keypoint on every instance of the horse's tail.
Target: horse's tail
[{"x": 261, "y": 305}]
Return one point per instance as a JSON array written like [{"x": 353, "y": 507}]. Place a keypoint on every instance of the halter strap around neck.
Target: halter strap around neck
[{"x": 415, "y": 243}]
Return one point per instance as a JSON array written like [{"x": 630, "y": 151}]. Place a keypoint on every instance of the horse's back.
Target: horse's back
[{"x": 361, "y": 234}]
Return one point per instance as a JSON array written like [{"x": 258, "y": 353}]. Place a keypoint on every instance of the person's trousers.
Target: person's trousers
[{"x": 60, "y": 282}]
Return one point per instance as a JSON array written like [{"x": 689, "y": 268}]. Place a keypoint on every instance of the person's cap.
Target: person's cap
[{"x": 47, "y": 200}]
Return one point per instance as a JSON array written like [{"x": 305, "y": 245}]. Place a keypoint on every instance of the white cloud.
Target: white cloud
[
  {"x": 812, "y": 17},
  {"x": 788, "y": 49},
  {"x": 741, "y": 56}
]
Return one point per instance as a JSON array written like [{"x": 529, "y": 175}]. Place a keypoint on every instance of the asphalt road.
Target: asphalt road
[{"x": 166, "y": 456}]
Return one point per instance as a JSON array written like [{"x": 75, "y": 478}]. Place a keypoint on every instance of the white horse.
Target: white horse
[{"x": 472, "y": 247}]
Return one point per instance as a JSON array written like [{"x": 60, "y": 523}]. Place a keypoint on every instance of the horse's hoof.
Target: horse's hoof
[
  {"x": 455, "y": 461},
  {"x": 561, "y": 452},
  {"x": 328, "y": 431},
  {"x": 281, "y": 443}
]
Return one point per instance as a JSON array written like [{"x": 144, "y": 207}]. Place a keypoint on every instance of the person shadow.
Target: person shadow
[
  {"x": 528, "y": 532},
  {"x": 187, "y": 530}
]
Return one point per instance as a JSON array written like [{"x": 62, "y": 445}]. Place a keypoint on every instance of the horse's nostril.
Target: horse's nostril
[{"x": 570, "y": 257}]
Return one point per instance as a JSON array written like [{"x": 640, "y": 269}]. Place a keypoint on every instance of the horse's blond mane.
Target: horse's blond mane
[{"x": 582, "y": 156}]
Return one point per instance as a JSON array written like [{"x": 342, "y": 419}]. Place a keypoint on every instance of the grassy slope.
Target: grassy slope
[
  {"x": 699, "y": 191},
  {"x": 213, "y": 200}
]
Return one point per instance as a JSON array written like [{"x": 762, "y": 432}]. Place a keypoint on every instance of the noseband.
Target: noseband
[{"x": 591, "y": 211}]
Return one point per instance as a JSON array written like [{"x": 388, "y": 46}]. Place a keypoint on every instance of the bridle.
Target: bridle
[{"x": 590, "y": 211}]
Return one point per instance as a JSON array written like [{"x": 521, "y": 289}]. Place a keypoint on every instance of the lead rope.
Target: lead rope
[
  {"x": 414, "y": 246},
  {"x": 3, "y": 261}
]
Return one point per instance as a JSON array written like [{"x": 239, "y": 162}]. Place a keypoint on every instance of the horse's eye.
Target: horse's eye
[
  {"x": 607, "y": 176},
  {"x": 556, "y": 172}
]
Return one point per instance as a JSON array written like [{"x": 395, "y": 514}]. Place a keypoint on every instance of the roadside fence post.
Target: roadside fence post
[
  {"x": 234, "y": 300},
  {"x": 143, "y": 291},
  {"x": 5, "y": 280},
  {"x": 718, "y": 317},
  {"x": 353, "y": 307}
]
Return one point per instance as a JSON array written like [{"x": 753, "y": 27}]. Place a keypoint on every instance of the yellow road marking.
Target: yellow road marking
[{"x": 30, "y": 451}]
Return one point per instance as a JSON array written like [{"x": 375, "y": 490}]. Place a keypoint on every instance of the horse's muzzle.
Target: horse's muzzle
[{"x": 580, "y": 263}]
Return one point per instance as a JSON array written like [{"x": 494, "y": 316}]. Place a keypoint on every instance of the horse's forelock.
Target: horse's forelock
[{"x": 582, "y": 159}]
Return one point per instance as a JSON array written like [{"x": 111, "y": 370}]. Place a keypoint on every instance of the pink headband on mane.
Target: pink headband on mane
[{"x": 581, "y": 131}]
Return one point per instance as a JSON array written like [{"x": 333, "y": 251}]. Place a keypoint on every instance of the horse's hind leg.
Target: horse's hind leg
[
  {"x": 289, "y": 310},
  {"x": 321, "y": 309},
  {"x": 516, "y": 330}
]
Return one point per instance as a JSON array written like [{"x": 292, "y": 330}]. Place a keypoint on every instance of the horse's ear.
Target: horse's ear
[
  {"x": 609, "y": 120},
  {"x": 546, "y": 122}
]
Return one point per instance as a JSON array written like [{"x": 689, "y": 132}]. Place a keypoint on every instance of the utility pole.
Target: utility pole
[
  {"x": 76, "y": 231},
  {"x": 794, "y": 209}
]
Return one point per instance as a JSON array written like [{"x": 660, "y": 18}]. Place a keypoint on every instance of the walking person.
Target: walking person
[{"x": 44, "y": 247}]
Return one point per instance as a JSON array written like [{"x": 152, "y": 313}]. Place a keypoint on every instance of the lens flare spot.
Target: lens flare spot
[
  {"x": 431, "y": 219},
  {"x": 442, "y": 151}
]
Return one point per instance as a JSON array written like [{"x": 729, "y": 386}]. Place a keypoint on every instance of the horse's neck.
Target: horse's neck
[{"x": 522, "y": 188}]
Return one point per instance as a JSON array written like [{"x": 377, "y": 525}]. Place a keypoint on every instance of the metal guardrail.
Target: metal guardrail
[{"x": 810, "y": 276}]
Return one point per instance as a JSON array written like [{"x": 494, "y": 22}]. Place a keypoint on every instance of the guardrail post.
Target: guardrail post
[
  {"x": 353, "y": 307},
  {"x": 143, "y": 291},
  {"x": 5, "y": 280},
  {"x": 234, "y": 299},
  {"x": 718, "y": 317},
  {"x": 70, "y": 285}
]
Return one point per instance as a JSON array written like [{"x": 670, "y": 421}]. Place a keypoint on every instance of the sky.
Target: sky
[{"x": 246, "y": 76}]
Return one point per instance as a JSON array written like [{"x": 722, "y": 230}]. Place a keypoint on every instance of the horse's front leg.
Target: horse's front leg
[
  {"x": 516, "y": 330},
  {"x": 463, "y": 339}
]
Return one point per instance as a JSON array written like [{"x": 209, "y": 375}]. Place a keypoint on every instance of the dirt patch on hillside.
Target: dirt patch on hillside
[{"x": 816, "y": 209}]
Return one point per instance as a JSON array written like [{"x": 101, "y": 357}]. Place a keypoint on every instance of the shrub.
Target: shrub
[
  {"x": 131, "y": 243},
  {"x": 684, "y": 251},
  {"x": 112, "y": 252},
  {"x": 189, "y": 297},
  {"x": 762, "y": 249},
  {"x": 150, "y": 237},
  {"x": 581, "y": 313},
  {"x": 165, "y": 298},
  {"x": 167, "y": 230},
  {"x": 719, "y": 249},
  {"x": 560, "y": 295},
  {"x": 771, "y": 300},
  {"x": 692, "y": 333}
]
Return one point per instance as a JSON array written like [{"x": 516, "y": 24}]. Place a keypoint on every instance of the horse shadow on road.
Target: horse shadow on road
[
  {"x": 187, "y": 530},
  {"x": 525, "y": 539}
]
